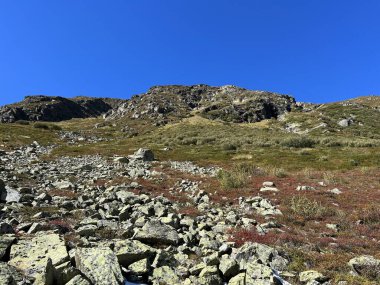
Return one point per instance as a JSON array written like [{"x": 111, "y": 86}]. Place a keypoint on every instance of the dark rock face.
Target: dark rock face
[
  {"x": 226, "y": 103},
  {"x": 55, "y": 108}
]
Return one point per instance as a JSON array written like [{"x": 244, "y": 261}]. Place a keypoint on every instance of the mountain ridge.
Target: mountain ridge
[{"x": 163, "y": 104}]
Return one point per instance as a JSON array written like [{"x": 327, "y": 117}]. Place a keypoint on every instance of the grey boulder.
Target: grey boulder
[{"x": 155, "y": 232}]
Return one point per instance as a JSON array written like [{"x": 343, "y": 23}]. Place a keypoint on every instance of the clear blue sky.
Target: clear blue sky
[{"x": 315, "y": 50}]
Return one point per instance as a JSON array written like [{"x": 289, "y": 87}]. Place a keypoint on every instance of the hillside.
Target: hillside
[{"x": 190, "y": 185}]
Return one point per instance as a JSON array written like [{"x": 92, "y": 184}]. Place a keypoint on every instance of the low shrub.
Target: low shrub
[
  {"x": 248, "y": 169},
  {"x": 207, "y": 140},
  {"x": 189, "y": 141},
  {"x": 232, "y": 179},
  {"x": 299, "y": 142},
  {"x": 22, "y": 122},
  {"x": 39, "y": 125},
  {"x": 229, "y": 146},
  {"x": 370, "y": 215},
  {"x": 307, "y": 209},
  {"x": 55, "y": 127},
  {"x": 46, "y": 126},
  {"x": 239, "y": 175},
  {"x": 61, "y": 225}
]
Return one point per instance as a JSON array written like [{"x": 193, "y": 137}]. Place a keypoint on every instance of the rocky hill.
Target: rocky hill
[
  {"x": 55, "y": 108},
  {"x": 227, "y": 103}
]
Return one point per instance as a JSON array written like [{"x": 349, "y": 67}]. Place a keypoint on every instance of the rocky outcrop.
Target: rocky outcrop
[
  {"x": 55, "y": 108},
  {"x": 227, "y": 103}
]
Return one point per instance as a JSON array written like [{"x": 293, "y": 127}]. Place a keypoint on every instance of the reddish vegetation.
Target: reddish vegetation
[
  {"x": 355, "y": 211},
  {"x": 191, "y": 211},
  {"x": 63, "y": 193},
  {"x": 241, "y": 236},
  {"x": 62, "y": 225},
  {"x": 100, "y": 182}
]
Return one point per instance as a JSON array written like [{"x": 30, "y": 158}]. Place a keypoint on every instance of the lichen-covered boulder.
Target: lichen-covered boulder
[
  {"x": 30, "y": 256},
  {"x": 99, "y": 265},
  {"x": 165, "y": 275}
]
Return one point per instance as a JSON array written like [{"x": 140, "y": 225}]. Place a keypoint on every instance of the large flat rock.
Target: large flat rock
[{"x": 30, "y": 256}]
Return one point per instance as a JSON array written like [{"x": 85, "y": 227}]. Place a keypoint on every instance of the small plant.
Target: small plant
[
  {"x": 248, "y": 169},
  {"x": 323, "y": 158},
  {"x": 298, "y": 260},
  {"x": 309, "y": 173},
  {"x": 276, "y": 171},
  {"x": 330, "y": 178},
  {"x": 354, "y": 162}
]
